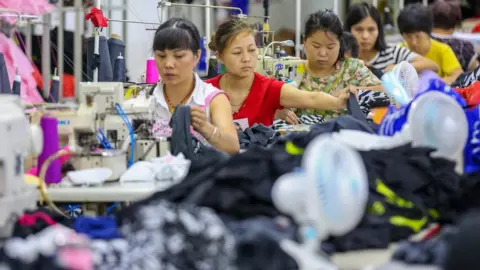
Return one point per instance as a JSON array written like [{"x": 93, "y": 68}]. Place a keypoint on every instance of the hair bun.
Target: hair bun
[{"x": 212, "y": 45}]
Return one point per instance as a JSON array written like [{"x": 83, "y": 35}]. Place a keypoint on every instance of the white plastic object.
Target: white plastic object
[
  {"x": 95, "y": 176},
  {"x": 436, "y": 120},
  {"x": 36, "y": 140},
  {"x": 394, "y": 88},
  {"x": 288, "y": 195},
  {"x": 140, "y": 171},
  {"x": 337, "y": 186},
  {"x": 305, "y": 258},
  {"x": 408, "y": 77}
]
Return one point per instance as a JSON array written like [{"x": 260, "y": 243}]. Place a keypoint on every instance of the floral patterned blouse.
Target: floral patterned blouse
[{"x": 350, "y": 71}]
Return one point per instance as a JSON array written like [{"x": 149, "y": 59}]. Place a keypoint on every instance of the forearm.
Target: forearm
[
  {"x": 422, "y": 64},
  {"x": 224, "y": 141},
  {"x": 450, "y": 79},
  {"x": 376, "y": 88},
  {"x": 324, "y": 101}
]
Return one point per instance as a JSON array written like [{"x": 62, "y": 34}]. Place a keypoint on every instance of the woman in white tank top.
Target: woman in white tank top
[{"x": 177, "y": 50}]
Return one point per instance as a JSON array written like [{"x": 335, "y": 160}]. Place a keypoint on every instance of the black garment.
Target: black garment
[
  {"x": 257, "y": 243},
  {"x": 182, "y": 141},
  {"x": 419, "y": 184},
  {"x": 467, "y": 199},
  {"x": 377, "y": 72},
  {"x": 463, "y": 246},
  {"x": 257, "y": 135}
]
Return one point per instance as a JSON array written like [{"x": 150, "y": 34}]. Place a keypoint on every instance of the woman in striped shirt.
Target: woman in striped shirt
[{"x": 364, "y": 22}]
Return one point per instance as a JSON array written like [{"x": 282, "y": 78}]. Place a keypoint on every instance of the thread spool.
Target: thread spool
[
  {"x": 4, "y": 80},
  {"x": 151, "y": 73},
  {"x": 49, "y": 127},
  {"x": 17, "y": 82},
  {"x": 54, "y": 89},
  {"x": 119, "y": 69},
  {"x": 116, "y": 47},
  {"x": 105, "y": 70}
]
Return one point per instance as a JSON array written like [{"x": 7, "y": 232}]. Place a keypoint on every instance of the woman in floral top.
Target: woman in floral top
[{"x": 327, "y": 70}]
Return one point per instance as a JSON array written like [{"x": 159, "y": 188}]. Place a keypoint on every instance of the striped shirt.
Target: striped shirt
[{"x": 392, "y": 55}]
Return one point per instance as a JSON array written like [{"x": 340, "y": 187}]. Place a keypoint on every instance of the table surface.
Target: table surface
[{"x": 109, "y": 192}]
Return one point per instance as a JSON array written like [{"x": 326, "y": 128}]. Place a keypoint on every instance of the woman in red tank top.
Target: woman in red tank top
[{"x": 256, "y": 98}]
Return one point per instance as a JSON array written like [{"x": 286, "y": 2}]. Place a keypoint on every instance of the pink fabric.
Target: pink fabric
[
  {"x": 14, "y": 57},
  {"x": 209, "y": 98},
  {"x": 27, "y": 7}
]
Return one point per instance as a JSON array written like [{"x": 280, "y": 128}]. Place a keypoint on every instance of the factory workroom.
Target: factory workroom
[{"x": 239, "y": 134}]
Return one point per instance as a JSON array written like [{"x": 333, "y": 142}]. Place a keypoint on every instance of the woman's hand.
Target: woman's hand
[
  {"x": 200, "y": 122},
  {"x": 288, "y": 115},
  {"x": 344, "y": 94}
]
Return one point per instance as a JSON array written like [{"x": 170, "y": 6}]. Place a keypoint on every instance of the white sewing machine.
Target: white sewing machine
[
  {"x": 20, "y": 139},
  {"x": 285, "y": 68},
  {"x": 96, "y": 101}
]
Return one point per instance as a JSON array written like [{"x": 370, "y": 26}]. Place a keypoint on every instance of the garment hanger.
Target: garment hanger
[{"x": 327, "y": 196}]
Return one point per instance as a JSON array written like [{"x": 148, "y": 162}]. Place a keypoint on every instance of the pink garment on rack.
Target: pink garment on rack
[
  {"x": 14, "y": 57},
  {"x": 27, "y": 7}
]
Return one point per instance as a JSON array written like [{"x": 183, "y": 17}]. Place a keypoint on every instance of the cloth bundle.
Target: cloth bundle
[{"x": 258, "y": 135}]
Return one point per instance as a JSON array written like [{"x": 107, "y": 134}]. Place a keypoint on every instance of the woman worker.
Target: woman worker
[
  {"x": 256, "y": 98},
  {"x": 176, "y": 46},
  {"x": 364, "y": 22},
  {"x": 327, "y": 68}
]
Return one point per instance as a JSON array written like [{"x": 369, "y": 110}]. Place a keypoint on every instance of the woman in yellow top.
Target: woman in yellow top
[
  {"x": 415, "y": 23},
  {"x": 326, "y": 68}
]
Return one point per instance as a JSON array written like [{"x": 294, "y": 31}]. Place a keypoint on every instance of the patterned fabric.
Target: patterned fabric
[
  {"x": 163, "y": 235},
  {"x": 463, "y": 49},
  {"x": 347, "y": 72},
  {"x": 467, "y": 78},
  {"x": 366, "y": 99}
]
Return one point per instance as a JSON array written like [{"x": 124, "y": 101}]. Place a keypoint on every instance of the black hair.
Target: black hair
[
  {"x": 415, "y": 18},
  {"x": 177, "y": 33},
  {"x": 325, "y": 21},
  {"x": 350, "y": 44},
  {"x": 359, "y": 12},
  {"x": 446, "y": 15}
]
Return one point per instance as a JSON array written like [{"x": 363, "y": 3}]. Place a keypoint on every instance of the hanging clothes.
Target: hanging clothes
[
  {"x": 30, "y": 7},
  {"x": 14, "y": 57}
]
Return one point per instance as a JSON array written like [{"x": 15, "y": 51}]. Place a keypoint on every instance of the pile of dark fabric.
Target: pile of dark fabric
[
  {"x": 408, "y": 190},
  {"x": 258, "y": 135},
  {"x": 455, "y": 247},
  {"x": 238, "y": 190}
]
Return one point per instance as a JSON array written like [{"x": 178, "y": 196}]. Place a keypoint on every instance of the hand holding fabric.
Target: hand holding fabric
[{"x": 200, "y": 122}]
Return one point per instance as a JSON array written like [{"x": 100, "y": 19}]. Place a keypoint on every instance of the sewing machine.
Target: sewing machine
[
  {"x": 96, "y": 101},
  {"x": 284, "y": 68},
  {"x": 19, "y": 140}
]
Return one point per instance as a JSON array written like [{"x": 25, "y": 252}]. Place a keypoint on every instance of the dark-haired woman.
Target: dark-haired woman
[
  {"x": 176, "y": 47},
  {"x": 256, "y": 98},
  {"x": 364, "y": 22},
  {"x": 327, "y": 70}
]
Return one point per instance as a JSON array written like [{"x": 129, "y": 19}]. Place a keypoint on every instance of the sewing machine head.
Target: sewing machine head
[
  {"x": 96, "y": 100},
  {"x": 284, "y": 68}
]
